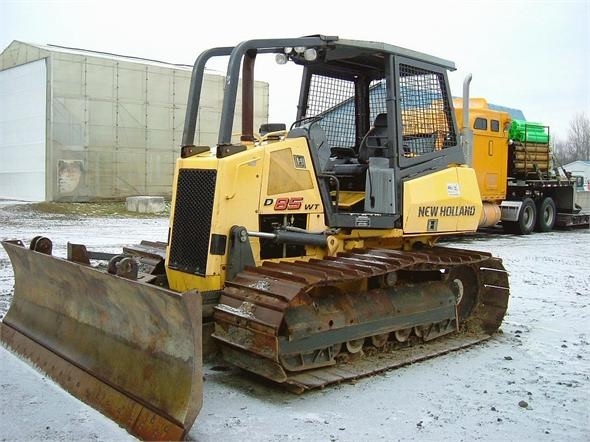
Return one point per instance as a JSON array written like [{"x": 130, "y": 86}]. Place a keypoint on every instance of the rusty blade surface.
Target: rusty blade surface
[{"x": 129, "y": 349}]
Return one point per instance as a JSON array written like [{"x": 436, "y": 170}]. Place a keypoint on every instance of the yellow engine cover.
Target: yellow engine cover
[{"x": 444, "y": 201}]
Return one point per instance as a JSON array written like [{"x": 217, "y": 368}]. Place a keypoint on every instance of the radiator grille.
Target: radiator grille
[{"x": 191, "y": 225}]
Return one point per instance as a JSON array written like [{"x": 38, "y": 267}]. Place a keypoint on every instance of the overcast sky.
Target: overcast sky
[{"x": 527, "y": 54}]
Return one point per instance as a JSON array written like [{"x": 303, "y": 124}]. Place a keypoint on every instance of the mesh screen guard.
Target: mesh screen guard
[{"x": 425, "y": 112}]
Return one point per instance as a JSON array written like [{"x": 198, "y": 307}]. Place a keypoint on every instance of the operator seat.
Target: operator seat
[{"x": 375, "y": 141}]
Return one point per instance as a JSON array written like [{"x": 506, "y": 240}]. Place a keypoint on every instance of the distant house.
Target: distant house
[
  {"x": 580, "y": 168},
  {"x": 80, "y": 125}
]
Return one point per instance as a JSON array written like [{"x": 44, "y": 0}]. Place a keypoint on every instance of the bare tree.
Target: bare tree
[
  {"x": 577, "y": 145},
  {"x": 579, "y": 136},
  {"x": 560, "y": 152}
]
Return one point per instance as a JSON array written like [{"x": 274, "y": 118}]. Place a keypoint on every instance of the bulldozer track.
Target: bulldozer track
[{"x": 274, "y": 319}]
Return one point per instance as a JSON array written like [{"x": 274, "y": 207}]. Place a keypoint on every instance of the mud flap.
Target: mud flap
[{"x": 130, "y": 349}]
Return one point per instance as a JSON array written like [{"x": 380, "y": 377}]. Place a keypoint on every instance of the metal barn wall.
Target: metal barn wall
[
  {"x": 115, "y": 123},
  {"x": 116, "y": 126}
]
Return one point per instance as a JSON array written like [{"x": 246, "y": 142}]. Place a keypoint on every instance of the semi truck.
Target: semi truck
[{"x": 522, "y": 187}]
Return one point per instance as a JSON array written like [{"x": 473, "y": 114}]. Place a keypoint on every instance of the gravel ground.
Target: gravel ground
[{"x": 530, "y": 382}]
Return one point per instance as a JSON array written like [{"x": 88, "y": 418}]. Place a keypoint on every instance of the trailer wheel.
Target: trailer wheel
[
  {"x": 526, "y": 219},
  {"x": 546, "y": 215}
]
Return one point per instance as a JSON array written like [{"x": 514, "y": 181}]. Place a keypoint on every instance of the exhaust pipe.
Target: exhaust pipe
[{"x": 466, "y": 131}]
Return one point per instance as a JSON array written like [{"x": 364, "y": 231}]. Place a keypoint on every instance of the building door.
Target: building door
[{"x": 23, "y": 109}]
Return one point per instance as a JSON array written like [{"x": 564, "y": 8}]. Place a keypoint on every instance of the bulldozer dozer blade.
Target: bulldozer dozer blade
[{"x": 131, "y": 350}]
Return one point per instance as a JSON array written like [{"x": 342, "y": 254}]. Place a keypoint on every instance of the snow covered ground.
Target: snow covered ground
[{"x": 530, "y": 382}]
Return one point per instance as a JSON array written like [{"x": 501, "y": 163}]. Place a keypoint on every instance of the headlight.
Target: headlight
[
  {"x": 310, "y": 54},
  {"x": 281, "y": 58}
]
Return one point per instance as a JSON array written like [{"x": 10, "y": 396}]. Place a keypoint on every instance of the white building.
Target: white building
[
  {"x": 580, "y": 168},
  {"x": 79, "y": 125}
]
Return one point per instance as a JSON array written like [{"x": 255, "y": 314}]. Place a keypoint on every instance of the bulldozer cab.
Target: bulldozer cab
[{"x": 374, "y": 115}]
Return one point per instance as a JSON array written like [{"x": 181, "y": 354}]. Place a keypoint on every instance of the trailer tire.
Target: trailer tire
[
  {"x": 546, "y": 215},
  {"x": 527, "y": 219}
]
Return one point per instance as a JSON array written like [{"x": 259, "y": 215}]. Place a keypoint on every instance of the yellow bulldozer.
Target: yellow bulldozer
[{"x": 306, "y": 254}]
